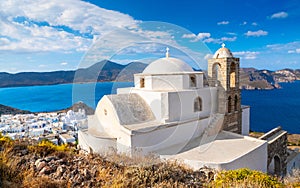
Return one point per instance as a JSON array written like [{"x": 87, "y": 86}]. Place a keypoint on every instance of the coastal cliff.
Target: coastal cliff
[
  {"x": 79, "y": 105},
  {"x": 251, "y": 78},
  {"x": 105, "y": 71}
]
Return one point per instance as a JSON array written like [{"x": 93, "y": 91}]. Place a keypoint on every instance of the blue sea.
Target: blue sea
[
  {"x": 272, "y": 108},
  {"x": 269, "y": 108}
]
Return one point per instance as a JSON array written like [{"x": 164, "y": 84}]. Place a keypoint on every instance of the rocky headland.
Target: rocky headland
[
  {"x": 104, "y": 71},
  {"x": 75, "y": 107},
  {"x": 251, "y": 78}
]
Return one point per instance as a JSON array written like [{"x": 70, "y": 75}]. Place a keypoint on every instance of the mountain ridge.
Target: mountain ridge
[{"x": 103, "y": 71}]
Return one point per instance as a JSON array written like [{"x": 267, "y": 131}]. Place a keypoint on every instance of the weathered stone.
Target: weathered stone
[
  {"x": 41, "y": 165},
  {"x": 45, "y": 171},
  {"x": 50, "y": 158},
  {"x": 60, "y": 170},
  {"x": 37, "y": 162},
  {"x": 62, "y": 161},
  {"x": 224, "y": 73},
  {"x": 277, "y": 150},
  {"x": 24, "y": 152},
  {"x": 86, "y": 174}
]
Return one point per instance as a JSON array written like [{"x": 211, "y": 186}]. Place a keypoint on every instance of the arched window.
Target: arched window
[
  {"x": 235, "y": 103},
  {"x": 142, "y": 82},
  {"x": 197, "y": 104},
  {"x": 193, "y": 82},
  {"x": 232, "y": 75},
  {"x": 229, "y": 104},
  {"x": 216, "y": 73},
  {"x": 277, "y": 166}
]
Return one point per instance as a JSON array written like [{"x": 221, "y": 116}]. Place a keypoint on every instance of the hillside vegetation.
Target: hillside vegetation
[{"x": 30, "y": 164}]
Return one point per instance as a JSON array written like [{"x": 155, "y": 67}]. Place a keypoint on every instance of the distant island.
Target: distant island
[
  {"x": 75, "y": 107},
  {"x": 10, "y": 110},
  {"x": 251, "y": 78},
  {"x": 105, "y": 71}
]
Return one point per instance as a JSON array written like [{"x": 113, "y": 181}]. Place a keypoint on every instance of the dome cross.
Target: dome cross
[{"x": 167, "y": 53}]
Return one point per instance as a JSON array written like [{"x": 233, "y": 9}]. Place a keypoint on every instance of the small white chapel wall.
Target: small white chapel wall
[
  {"x": 181, "y": 104},
  {"x": 107, "y": 117},
  {"x": 164, "y": 138},
  {"x": 255, "y": 160}
]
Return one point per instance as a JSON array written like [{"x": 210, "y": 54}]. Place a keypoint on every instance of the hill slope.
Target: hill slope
[
  {"x": 251, "y": 78},
  {"x": 10, "y": 110},
  {"x": 25, "y": 163},
  {"x": 101, "y": 71}
]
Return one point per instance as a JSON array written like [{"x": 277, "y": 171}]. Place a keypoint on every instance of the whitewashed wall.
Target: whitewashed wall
[{"x": 245, "y": 120}]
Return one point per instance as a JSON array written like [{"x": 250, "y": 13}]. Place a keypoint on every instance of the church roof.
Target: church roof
[
  {"x": 131, "y": 108},
  {"x": 223, "y": 52},
  {"x": 167, "y": 65}
]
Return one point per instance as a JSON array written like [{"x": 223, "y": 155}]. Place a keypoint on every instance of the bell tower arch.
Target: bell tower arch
[{"x": 223, "y": 73}]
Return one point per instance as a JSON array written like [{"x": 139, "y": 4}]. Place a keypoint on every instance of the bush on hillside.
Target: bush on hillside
[
  {"x": 245, "y": 178},
  {"x": 46, "y": 147}
]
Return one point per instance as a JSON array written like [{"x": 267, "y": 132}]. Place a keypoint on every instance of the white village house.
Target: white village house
[{"x": 171, "y": 112}]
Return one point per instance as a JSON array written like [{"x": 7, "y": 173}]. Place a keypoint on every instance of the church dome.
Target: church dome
[
  {"x": 167, "y": 65},
  {"x": 223, "y": 52}
]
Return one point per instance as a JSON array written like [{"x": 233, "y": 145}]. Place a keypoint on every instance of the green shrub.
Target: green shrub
[
  {"x": 45, "y": 147},
  {"x": 5, "y": 140},
  {"x": 245, "y": 178}
]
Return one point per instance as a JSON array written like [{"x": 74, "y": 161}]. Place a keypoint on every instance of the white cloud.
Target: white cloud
[
  {"x": 223, "y": 23},
  {"x": 203, "y": 35},
  {"x": 208, "y": 56},
  {"x": 64, "y": 63},
  {"x": 189, "y": 36},
  {"x": 244, "y": 23},
  {"x": 279, "y": 15},
  {"x": 291, "y": 47},
  {"x": 230, "y": 39},
  {"x": 4, "y": 41},
  {"x": 196, "y": 38},
  {"x": 246, "y": 54},
  {"x": 256, "y": 33},
  {"x": 55, "y": 25},
  {"x": 72, "y": 26},
  {"x": 254, "y": 24},
  {"x": 296, "y": 51},
  {"x": 220, "y": 40}
]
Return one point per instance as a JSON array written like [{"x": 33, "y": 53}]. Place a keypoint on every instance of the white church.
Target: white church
[{"x": 171, "y": 112}]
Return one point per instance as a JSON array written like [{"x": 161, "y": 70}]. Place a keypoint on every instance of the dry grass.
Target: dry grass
[
  {"x": 30, "y": 180},
  {"x": 121, "y": 171},
  {"x": 293, "y": 179},
  {"x": 294, "y": 139}
]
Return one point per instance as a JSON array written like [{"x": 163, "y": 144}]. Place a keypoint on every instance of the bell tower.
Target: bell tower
[{"x": 223, "y": 73}]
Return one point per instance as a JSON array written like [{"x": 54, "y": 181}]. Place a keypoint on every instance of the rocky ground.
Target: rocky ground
[{"x": 24, "y": 164}]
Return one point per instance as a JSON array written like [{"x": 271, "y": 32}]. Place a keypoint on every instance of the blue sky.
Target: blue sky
[{"x": 45, "y": 35}]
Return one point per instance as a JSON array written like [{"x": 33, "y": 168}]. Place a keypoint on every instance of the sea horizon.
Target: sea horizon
[{"x": 269, "y": 108}]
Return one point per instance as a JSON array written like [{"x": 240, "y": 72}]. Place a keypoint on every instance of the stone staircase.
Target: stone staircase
[
  {"x": 209, "y": 135},
  {"x": 213, "y": 129}
]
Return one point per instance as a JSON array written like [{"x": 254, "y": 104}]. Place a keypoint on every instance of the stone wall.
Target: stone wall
[
  {"x": 223, "y": 73},
  {"x": 277, "y": 151}
]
